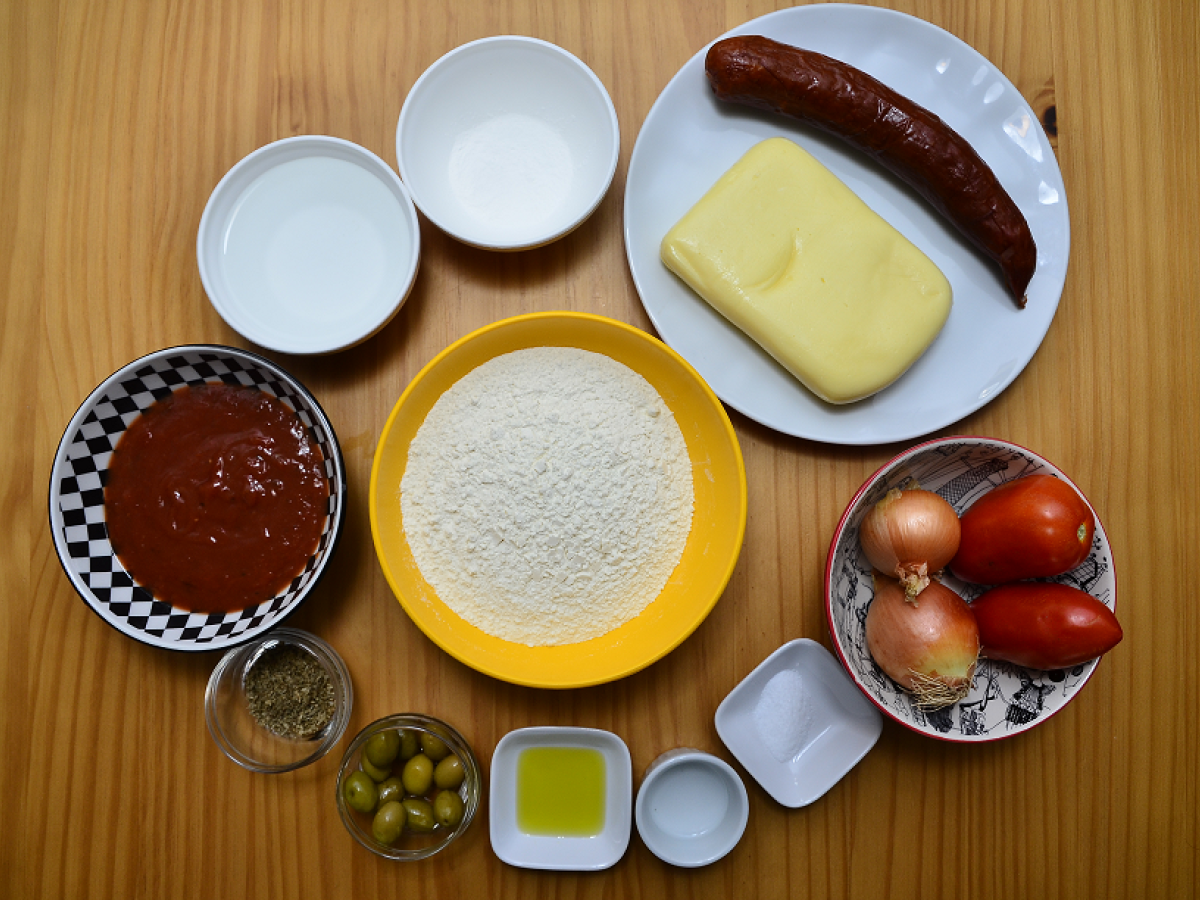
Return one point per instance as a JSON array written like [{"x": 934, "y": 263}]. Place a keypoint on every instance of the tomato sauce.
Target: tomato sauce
[{"x": 216, "y": 498}]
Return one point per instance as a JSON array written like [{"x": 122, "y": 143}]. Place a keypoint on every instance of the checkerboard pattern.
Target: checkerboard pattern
[{"x": 77, "y": 496}]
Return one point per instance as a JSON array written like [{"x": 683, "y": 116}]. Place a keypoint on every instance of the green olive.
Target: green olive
[
  {"x": 359, "y": 792},
  {"x": 434, "y": 747},
  {"x": 377, "y": 773},
  {"x": 389, "y": 822},
  {"x": 391, "y": 789},
  {"x": 449, "y": 773},
  {"x": 410, "y": 744},
  {"x": 420, "y": 815},
  {"x": 417, "y": 775},
  {"x": 448, "y": 809},
  {"x": 382, "y": 748}
]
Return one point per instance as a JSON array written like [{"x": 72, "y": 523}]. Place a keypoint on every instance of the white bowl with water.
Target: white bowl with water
[
  {"x": 692, "y": 808},
  {"x": 798, "y": 723},
  {"x": 310, "y": 244},
  {"x": 508, "y": 142}
]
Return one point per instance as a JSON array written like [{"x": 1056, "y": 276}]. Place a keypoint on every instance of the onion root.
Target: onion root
[
  {"x": 930, "y": 649},
  {"x": 931, "y": 692}
]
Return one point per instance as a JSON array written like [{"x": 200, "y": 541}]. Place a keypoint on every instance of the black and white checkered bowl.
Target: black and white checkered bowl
[
  {"x": 1006, "y": 699},
  {"x": 81, "y": 470}
]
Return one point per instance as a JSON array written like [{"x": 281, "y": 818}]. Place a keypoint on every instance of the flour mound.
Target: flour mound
[{"x": 548, "y": 496}]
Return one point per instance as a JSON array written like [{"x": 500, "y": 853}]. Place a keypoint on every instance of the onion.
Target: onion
[
  {"x": 910, "y": 535},
  {"x": 930, "y": 647}
]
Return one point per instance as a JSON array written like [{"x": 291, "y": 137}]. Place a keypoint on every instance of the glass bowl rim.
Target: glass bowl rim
[
  {"x": 334, "y": 665},
  {"x": 472, "y": 784}
]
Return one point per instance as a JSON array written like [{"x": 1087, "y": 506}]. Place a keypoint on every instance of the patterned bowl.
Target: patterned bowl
[
  {"x": 77, "y": 519},
  {"x": 1006, "y": 699}
]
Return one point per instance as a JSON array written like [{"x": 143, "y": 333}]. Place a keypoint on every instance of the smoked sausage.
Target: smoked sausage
[{"x": 904, "y": 137}]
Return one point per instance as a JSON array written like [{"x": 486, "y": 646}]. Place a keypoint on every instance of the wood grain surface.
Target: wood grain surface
[{"x": 119, "y": 117}]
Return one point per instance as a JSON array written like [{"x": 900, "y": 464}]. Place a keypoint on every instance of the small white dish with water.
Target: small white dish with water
[
  {"x": 508, "y": 142},
  {"x": 692, "y": 808},
  {"x": 309, "y": 244},
  {"x": 798, "y": 723}
]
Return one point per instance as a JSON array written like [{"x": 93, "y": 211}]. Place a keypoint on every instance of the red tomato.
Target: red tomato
[
  {"x": 1044, "y": 626},
  {"x": 1032, "y": 527}
]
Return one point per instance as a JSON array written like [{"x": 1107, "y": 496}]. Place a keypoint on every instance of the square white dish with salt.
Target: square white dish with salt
[{"x": 797, "y": 723}]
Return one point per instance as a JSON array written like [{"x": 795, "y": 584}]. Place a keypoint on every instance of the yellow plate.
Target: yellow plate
[{"x": 718, "y": 520}]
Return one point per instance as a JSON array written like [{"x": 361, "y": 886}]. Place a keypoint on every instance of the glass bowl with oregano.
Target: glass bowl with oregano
[{"x": 279, "y": 702}]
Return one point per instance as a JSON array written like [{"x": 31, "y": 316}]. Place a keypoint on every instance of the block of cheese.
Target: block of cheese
[{"x": 795, "y": 259}]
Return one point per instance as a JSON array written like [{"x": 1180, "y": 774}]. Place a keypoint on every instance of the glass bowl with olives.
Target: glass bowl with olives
[
  {"x": 408, "y": 786},
  {"x": 280, "y": 702}
]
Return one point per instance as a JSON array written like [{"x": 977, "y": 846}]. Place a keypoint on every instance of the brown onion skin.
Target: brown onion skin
[
  {"x": 910, "y": 535},
  {"x": 937, "y": 636}
]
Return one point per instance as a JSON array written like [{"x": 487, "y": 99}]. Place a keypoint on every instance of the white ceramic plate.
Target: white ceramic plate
[
  {"x": 533, "y": 851},
  {"x": 828, "y": 726},
  {"x": 689, "y": 139}
]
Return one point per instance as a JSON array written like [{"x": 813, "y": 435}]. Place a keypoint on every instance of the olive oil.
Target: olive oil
[{"x": 560, "y": 791}]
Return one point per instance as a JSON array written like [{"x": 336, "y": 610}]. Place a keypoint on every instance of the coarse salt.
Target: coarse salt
[{"x": 784, "y": 715}]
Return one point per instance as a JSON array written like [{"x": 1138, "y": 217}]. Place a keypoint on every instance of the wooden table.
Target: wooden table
[{"x": 119, "y": 118}]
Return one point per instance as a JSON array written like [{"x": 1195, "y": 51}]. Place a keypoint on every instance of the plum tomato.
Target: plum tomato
[
  {"x": 1036, "y": 526},
  {"x": 1043, "y": 625}
]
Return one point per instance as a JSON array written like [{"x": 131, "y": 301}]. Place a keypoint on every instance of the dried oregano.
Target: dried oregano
[{"x": 289, "y": 692}]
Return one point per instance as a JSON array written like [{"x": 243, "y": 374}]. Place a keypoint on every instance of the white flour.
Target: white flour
[{"x": 548, "y": 496}]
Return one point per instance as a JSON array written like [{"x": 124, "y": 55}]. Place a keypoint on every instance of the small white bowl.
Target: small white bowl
[
  {"x": 518, "y": 847},
  {"x": 508, "y": 142},
  {"x": 309, "y": 245},
  {"x": 692, "y": 808},
  {"x": 797, "y": 723}
]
